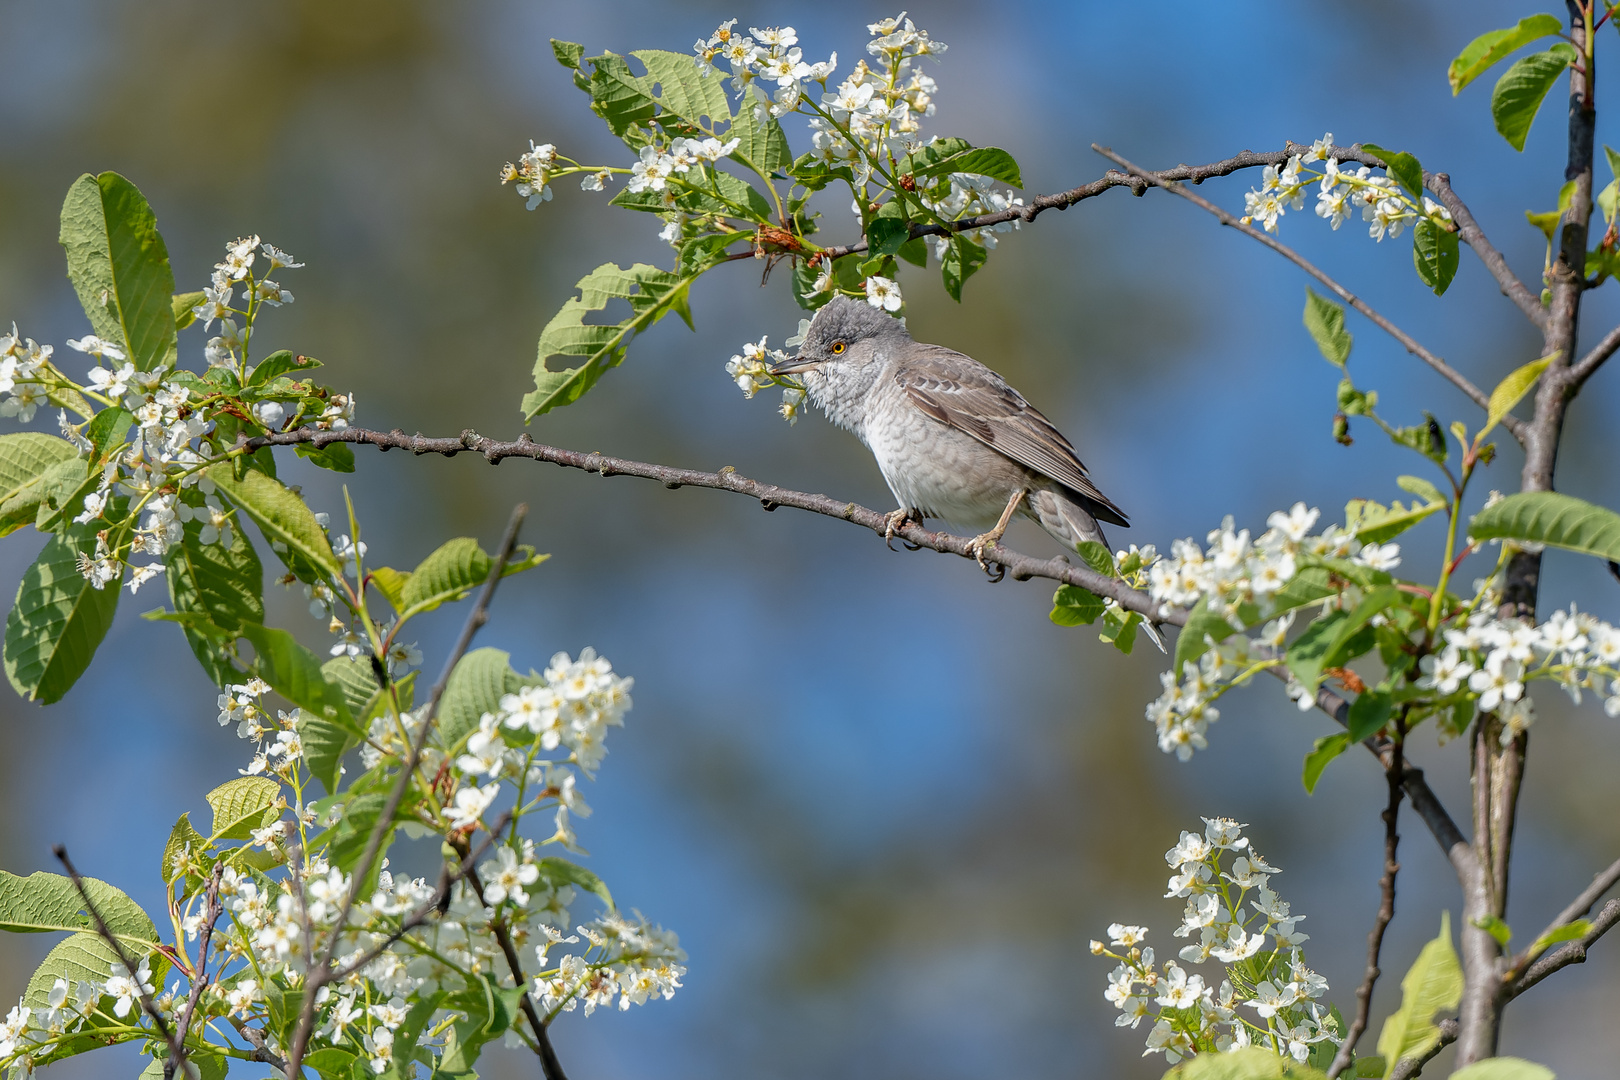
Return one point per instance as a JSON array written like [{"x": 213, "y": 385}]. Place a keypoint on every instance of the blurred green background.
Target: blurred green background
[{"x": 884, "y": 804}]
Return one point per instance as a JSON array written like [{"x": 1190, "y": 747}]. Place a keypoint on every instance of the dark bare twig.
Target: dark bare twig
[
  {"x": 1407, "y": 1068},
  {"x": 177, "y": 1050},
  {"x": 1573, "y": 952},
  {"x": 1451, "y": 374},
  {"x": 255, "y": 1039},
  {"x": 1578, "y": 907},
  {"x": 1579, "y": 373},
  {"x": 550, "y": 1067},
  {"x": 212, "y": 910},
  {"x": 1021, "y": 567},
  {"x": 320, "y": 973},
  {"x": 1386, "y": 911}
]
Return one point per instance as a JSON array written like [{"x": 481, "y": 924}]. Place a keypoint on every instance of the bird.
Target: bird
[{"x": 953, "y": 439}]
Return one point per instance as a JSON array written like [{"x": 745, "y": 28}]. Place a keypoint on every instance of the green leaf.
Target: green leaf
[
  {"x": 652, "y": 293},
  {"x": 295, "y": 673},
  {"x": 281, "y": 515},
  {"x": 476, "y": 686},
  {"x": 1305, "y": 655},
  {"x": 120, "y": 268},
  {"x": 1120, "y": 631},
  {"x": 107, "y": 431},
  {"x": 27, "y": 460},
  {"x": 183, "y": 839},
  {"x": 276, "y": 365},
  {"x": 1547, "y": 222},
  {"x": 78, "y": 958},
  {"x": 352, "y": 833},
  {"x": 335, "y": 1062},
  {"x": 1511, "y": 390},
  {"x": 1501, "y": 931},
  {"x": 1369, "y": 713},
  {"x": 1307, "y": 586},
  {"x": 1427, "y": 439},
  {"x": 1485, "y": 50},
  {"x": 763, "y": 147},
  {"x": 391, "y": 583},
  {"x": 1203, "y": 622},
  {"x": 454, "y": 570},
  {"x": 1521, "y": 88},
  {"x": 56, "y": 621},
  {"x": 1422, "y": 488},
  {"x": 619, "y": 96},
  {"x": 1433, "y": 985},
  {"x": 1504, "y": 1068},
  {"x": 334, "y": 456},
  {"x": 242, "y": 805},
  {"x": 1248, "y": 1063},
  {"x": 1098, "y": 557},
  {"x": 225, "y": 585},
  {"x": 42, "y": 903},
  {"x": 184, "y": 307},
  {"x": 1074, "y": 606},
  {"x": 1326, "y": 749},
  {"x": 357, "y": 679},
  {"x": 1547, "y": 517},
  {"x": 1568, "y": 932},
  {"x": 200, "y": 1065},
  {"x": 988, "y": 161},
  {"x": 567, "y": 53},
  {"x": 1434, "y": 253},
  {"x": 683, "y": 91},
  {"x": 888, "y": 230},
  {"x": 1325, "y": 321},
  {"x": 962, "y": 258},
  {"x": 1403, "y": 167},
  {"x": 555, "y": 871},
  {"x": 325, "y": 742},
  {"x": 1374, "y": 523}
]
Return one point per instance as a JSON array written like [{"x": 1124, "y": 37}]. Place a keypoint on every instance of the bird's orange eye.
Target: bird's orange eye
[{"x": 837, "y": 347}]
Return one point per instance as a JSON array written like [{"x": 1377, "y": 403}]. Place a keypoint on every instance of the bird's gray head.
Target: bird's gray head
[{"x": 846, "y": 338}]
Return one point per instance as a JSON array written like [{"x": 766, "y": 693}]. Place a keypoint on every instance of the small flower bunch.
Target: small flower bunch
[
  {"x": 1383, "y": 203},
  {"x": 750, "y": 369},
  {"x": 1266, "y": 997}
]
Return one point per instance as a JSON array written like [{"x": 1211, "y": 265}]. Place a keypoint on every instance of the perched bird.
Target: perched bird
[{"x": 953, "y": 440}]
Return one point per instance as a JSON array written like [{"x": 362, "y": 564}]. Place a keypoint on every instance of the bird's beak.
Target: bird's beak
[{"x": 793, "y": 365}]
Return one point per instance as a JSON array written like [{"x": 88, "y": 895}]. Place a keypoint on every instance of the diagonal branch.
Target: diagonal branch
[
  {"x": 1467, "y": 228},
  {"x": 1578, "y": 907},
  {"x": 1572, "y": 953},
  {"x": 550, "y": 1067},
  {"x": 1021, "y": 567},
  {"x": 1578, "y": 373},
  {"x": 1455, "y": 377},
  {"x": 1407, "y": 1068}
]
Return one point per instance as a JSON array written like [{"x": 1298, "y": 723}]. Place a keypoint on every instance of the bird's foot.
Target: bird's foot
[
  {"x": 982, "y": 543},
  {"x": 893, "y": 522}
]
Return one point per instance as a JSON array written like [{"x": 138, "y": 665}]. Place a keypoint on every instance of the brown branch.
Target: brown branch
[
  {"x": 321, "y": 973},
  {"x": 550, "y": 1067},
  {"x": 1577, "y": 374},
  {"x": 1386, "y": 911},
  {"x": 1577, "y": 908},
  {"x": 1407, "y": 1068},
  {"x": 261, "y": 1051},
  {"x": 177, "y": 1050},
  {"x": 1021, "y": 567},
  {"x": 1468, "y": 229},
  {"x": 212, "y": 910},
  {"x": 1455, "y": 377},
  {"x": 1573, "y": 952}
]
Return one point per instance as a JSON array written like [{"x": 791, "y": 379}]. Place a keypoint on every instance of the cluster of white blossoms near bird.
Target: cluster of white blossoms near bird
[
  {"x": 278, "y": 901},
  {"x": 169, "y": 417},
  {"x": 1265, "y": 996},
  {"x": 1382, "y": 203}
]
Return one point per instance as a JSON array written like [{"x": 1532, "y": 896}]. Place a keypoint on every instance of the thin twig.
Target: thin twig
[
  {"x": 1578, "y": 373},
  {"x": 1455, "y": 377},
  {"x": 255, "y": 1039},
  {"x": 1407, "y": 1068},
  {"x": 1578, "y": 907},
  {"x": 1386, "y": 911},
  {"x": 1020, "y": 567},
  {"x": 212, "y": 910},
  {"x": 177, "y": 1050},
  {"x": 1573, "y": 952},
  {"x": 320, "y": 973},
  {"x": 550, "y": 1067}
]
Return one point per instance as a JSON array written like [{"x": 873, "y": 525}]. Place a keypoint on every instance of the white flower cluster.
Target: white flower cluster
[
  {"x": 1494, "y": 658},
  {"x": 628, "y": 958},
  {"x": 1230, "y": 910},
  {"x": 29, "y": 1032},
  {"x": 771, "y": 56},
  {"x": 160, "y": 469},
  {"x": 1238, "y": 577},
  {"x": 750, "y": 369},
  {"x": 1382, "y": 203}
]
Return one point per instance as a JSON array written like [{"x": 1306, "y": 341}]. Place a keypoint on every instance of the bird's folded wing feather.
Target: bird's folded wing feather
[{"x": 957, "y": 390}]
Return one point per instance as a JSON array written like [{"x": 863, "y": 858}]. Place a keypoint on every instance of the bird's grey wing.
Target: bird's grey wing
[{"x": 957, "y": 390}]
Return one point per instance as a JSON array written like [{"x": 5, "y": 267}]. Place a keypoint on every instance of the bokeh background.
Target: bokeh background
[{"x": 884, "y": 803}]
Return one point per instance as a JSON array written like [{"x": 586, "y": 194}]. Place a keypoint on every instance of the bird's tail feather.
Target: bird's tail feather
[{"x": 1069, "y": 524}]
